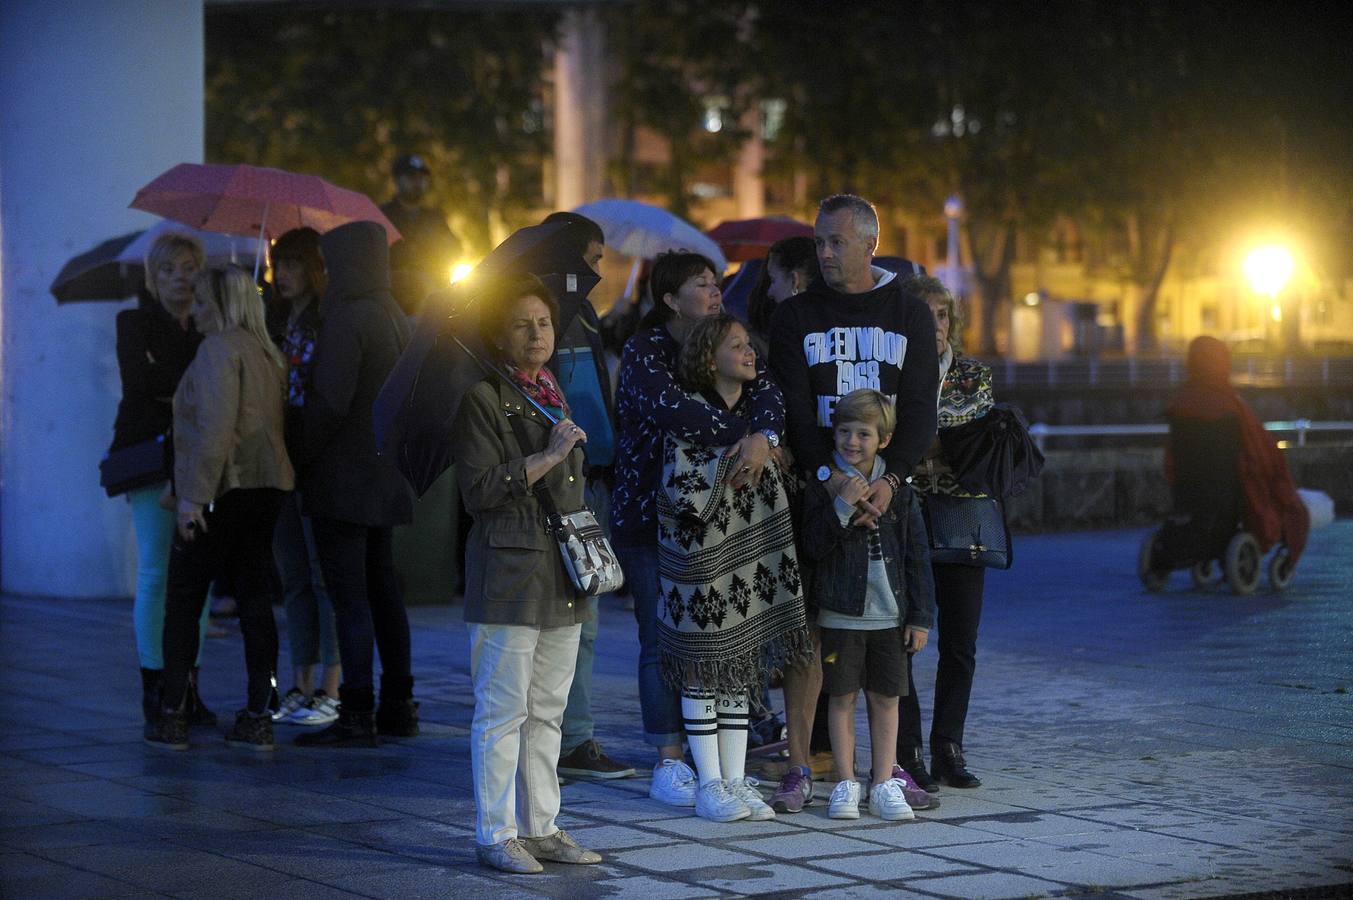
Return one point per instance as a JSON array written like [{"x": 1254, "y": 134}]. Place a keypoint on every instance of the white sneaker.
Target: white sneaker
[
  {"x": 293, "y": 701},
  {"x": 887, "y": 800},
  {"x": 845, "y": 801},
  {"x": 673, "y": 783},
  {"x": 745, "y": 790},
  {"x": 714, "y": 801},
  {"x": 322, "y": 710}
]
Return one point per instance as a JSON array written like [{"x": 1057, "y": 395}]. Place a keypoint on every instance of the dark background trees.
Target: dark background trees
[
  {"x": 1155, "y": 127},
  {"x": 341, "y": 93}
]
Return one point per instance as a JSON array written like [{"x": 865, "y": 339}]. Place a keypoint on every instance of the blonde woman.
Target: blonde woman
[
  {"x": 155, "y": 343},
  {"x": 230, "y": 472}
]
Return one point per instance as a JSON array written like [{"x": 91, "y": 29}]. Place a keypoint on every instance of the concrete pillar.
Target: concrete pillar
[
  {"x": 580, "y": 89},
  {"x": 749, "y": 190},
  {"x": 96, "y": 98}
]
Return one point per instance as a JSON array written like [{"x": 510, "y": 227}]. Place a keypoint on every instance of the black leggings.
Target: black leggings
[
  {"x": 359, "y": 572},
  {"x": 958, "y": 598},
  {"x": 236, "y": 545}
]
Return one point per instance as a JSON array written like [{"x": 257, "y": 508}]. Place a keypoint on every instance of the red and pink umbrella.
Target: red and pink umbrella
[
  {"x": 744, "y": 239},
  {"x": 242, "y": 199}
]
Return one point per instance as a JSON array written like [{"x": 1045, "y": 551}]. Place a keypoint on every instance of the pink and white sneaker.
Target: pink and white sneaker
[{"x": 917, "y": 798}]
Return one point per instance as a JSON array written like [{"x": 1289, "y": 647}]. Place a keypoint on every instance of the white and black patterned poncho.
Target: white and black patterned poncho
[{"x": 732, "y": 607}]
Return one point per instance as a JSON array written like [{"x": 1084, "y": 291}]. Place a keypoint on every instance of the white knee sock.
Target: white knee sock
[
  {"x": 698, "y": 712},
  {"x": 734, "y": 720}
]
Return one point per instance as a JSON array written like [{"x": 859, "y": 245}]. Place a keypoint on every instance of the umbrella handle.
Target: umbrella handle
[
  {"x": 633, "y": 279},
  {"x": 258, "y": 251},
  {"x": 489, "y": 369}
]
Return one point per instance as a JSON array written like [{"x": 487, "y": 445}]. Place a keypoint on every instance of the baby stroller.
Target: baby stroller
[{"x": 1204, "y": 533}]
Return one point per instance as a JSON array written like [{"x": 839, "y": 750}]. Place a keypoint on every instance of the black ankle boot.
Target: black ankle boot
[
  {"x": 910, "y": 759},
  {"x": 398, "y": 713},
  {"x": 169, "y": 731},
  {"x": 949, "y": 766},
  {"x": 198, "y": 714},
  {"x": 152, "y": 690},
  {"x": 356, "y": 725}
]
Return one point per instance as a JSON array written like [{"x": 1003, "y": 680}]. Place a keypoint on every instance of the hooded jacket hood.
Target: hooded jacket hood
[{"x": 357, "y": 259}]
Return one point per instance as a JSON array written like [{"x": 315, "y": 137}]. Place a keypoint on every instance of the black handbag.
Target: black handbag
[
  {"x": 967, "y": 531},
  {"x": 137, "y": 465},
  {"x": 993, "y": 454}
]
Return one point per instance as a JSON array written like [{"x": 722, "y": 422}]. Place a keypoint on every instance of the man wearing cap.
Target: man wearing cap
[{"x": 421, "y": 262}]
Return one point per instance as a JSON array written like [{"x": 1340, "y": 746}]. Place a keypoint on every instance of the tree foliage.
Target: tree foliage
[
  {"x": 342, "y": 93},
  {"x": 1154, "y": 125}
]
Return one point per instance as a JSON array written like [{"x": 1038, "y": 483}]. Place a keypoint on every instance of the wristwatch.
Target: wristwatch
[
  {"x": 824, "y": 473},
  {"x": 772, "y": 437}
]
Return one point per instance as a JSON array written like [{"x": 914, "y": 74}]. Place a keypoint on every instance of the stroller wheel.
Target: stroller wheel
[
  {"x": 1206, "y": 574},
  {"x": 1152, "y": 578},
  {"x": 1281, "y": 568},
  {"x": 1242, "y": 563}
]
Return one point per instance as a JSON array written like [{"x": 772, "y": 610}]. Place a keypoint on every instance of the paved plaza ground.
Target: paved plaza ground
[{"x": 1175, "y": 745}]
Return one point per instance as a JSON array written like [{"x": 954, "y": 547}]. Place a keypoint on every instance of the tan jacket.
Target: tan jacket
[
  {"x": 514, "y": 574},
  {"x": 228, "y": 420}
]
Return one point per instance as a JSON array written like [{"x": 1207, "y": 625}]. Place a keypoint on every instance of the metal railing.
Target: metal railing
[
  {"x": 1301, "y": 427},
  {"x": 1251, "y": 371}
]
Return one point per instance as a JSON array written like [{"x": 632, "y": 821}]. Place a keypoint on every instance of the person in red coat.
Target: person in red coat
[{"x": 1272, "y": 511}]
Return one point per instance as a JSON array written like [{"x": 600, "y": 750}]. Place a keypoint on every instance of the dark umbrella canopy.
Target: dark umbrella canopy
[
  {"x": 97, "y": 275},
  {"x": 115, "y": 269},
  {"x": 418, "y": 404}
]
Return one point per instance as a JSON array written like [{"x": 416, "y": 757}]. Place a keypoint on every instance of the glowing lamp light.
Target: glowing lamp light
[
  {"x": 1032, "y": 298},
  {"x": 460, "y": 270},
  {"x": 1268, "y": 268}
]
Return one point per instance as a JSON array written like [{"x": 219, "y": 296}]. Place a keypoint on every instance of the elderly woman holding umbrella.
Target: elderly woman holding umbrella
[{"x": 523, "y": 613}]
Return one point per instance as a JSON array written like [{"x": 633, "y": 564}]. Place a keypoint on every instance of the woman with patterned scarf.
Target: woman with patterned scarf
[
  {"x": 523, "y": 613},
  {"x": 964, "y": 395}
]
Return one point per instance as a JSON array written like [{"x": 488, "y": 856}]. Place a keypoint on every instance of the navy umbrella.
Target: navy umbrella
[
  {"x": 115, "y": 269},
  {"x": 419, "y": 401},
  {"x": 97, "y": 275}
]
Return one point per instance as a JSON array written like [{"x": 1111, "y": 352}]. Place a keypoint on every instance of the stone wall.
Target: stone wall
[{"x": 1117, "y": 488}]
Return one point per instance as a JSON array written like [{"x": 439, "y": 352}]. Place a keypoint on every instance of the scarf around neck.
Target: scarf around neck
[{"x": 543, "y": 389}]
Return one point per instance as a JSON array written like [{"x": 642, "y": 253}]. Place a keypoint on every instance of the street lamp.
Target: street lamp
[
  {"x": 953, "y": 212},
  {"x": 1269, "y": 268}
]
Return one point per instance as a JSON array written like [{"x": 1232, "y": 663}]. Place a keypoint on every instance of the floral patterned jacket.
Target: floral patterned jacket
[
  {"x": 965, "y": 395},
  {"x": 649, "y": 403}
]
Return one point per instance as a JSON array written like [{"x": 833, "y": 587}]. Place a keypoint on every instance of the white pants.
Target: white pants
[{"x": 521, "y": 682}]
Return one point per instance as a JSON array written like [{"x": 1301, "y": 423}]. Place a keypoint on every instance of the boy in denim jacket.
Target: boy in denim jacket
[{"x": 876, "y": 602}]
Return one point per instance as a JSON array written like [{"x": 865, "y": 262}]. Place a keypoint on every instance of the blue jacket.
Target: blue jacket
[{"x": 840, "y": 557}]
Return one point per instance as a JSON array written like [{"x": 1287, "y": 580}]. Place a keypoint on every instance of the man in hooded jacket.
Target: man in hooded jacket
[{"x": 354, "y": 496}]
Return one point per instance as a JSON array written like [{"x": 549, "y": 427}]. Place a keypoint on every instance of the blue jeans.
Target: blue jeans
[
  {"x": 312, "y": 636},
  {"x": 154, "y": 528},
  {"x": 578, "y": 725},
  {"x": 659, "y": 703}
]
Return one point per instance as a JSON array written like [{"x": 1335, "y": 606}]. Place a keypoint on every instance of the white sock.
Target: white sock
[
  {"x": 702, "y": 732},
  {"x": 734, "y": 721}
]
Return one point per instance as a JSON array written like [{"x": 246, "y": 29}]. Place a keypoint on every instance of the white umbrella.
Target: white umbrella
[
  {"x": 643, "y": 231},
  {"x": 219, "y": 247}
]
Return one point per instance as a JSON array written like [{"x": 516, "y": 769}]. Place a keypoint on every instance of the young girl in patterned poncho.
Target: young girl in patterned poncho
[{"x": 732, "y": 601}]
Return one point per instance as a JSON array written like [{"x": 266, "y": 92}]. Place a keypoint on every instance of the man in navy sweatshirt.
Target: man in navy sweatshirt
[{"x": 852, "y": 328}]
